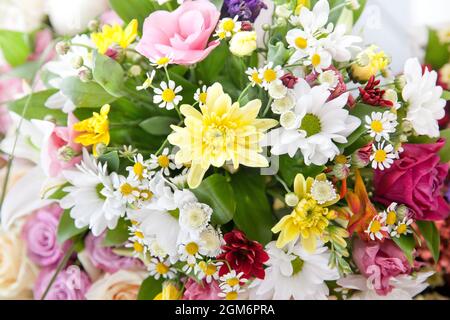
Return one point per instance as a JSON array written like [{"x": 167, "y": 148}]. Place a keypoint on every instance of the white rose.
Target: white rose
[
  {"x": 122, "y": 285},
  {"x": 17, "y": 272},
  {"x": 21, "y": 15},
  {"x": 70, "y": 17},
  {"x": 243, "y": 43}
]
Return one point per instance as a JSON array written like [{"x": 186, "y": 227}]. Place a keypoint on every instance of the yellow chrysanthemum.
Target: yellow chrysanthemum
[
  {"x": 95, "y": 130},
  {"x": 309, "y": 219},
  {"x": 115, "y": 35},
  {"x": 369, "y": 63},
  {"x": 169, "y": 292},
  {"x": 222, "y": 131}
]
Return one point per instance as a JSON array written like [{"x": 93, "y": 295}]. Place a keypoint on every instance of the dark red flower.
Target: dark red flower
[
  {"x": 243, "y": 255},
  {"x": 373, "y": 96},
  {"x": 246, "y": 26},
  {"x": 289, "y": 80}
]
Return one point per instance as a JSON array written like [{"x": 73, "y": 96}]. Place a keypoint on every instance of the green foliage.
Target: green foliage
[
  {"x": 446, "y": 95},
  {"x": 445, "y": 151},
  {"x": 133, "y": 9},
  {"x": 15, "y": 46},
  {"x": 437, "y": 53},
  {"x": 67, "y": 229},
  {"x": 407, "y": 244},
  {"x": 112, "y": 160},
  {"x": 109, "y": 74},
  {"x": 209, "y": 69},
  {"x": 278, "y": 54},
  {"x": 216, "y": 192},
  {"x": 158, "y": 126},
  {"x": 290, "y": 167},
  {"x": 218, "y": 3},
  {"x": 85, "y": 94},
  {"x": 150, "y": 288},
  {"x": 432, "y": 238},
  {"x": 59, "y": 193},
  {"x": 253, "y": 212},
  {"x": 118, "y": 235}
]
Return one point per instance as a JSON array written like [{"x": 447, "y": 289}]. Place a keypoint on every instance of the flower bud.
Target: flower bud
[
  {"x": 62, "y": 48},
  {"x": 288, "y": 120},
  {"x": 246, "y": 26},
  {"x": 266, "y": 27},
  {"x": 400, "y": 82},
  {"x": 289, "y": 80},
  {"x": 341, "y": 171},
  {"x": 291, "y": 199},
  {"x": 402, "y": 212},
  {"x": 93, "y": 25},
  {"x": 100, "y": 149},
  {"x": 135, "y": 71},
  {"x": 77, "y": 62},
  {"x": 85, "y": 74}
]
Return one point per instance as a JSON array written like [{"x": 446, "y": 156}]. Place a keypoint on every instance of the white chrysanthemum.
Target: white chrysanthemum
[
  {"x": 405, "y": 287},
  {"x": 227, "y": 27},
  {"x": 194, "y": 217},
  {"x": 270, "y": 74},
  {"x": 232, "y": 282},
  {"x": 201, "y": 95},
  {"x": 425, "y": 105},
  {"x": 329, "y": 78},
  {"x": 90, "y": 197},
  {"x": 166, "y": 96},
  {"x": 212, "y": 240},
  {"x": 319, "y": 125},
  {"x": 381, "y": 125},
  {"x": 156, "y": 249},
  {"x": 377, "y": 228},
  {"x": 315, "y": 20},
  {"x": 323, "y": 191},
  {"x": 383, "y": 156},
  {"x": 277, "y": 90},
  {"x": 301, "y": 42},
  {"x": 161, "y": 62},
  {"x": 402, "y": 228},
  {"x": 140, "y": 169},
  {"x": 160, "y": 268},
  {"x": 295, "y": 275}
]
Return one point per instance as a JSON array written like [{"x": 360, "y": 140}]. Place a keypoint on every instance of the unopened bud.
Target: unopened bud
[
  {"x": 62, "y": 48},
  {"x": 400, "y": 83},
  {"x": 100, "y": 149},
  {"x": 266, "y": 27},
  {"x": 135, "y": 71},
  {"x": 93, "y": 25},
  {"x": 85, "y": 74},
  {"x": 291, "y": 199},
  {"x": 77, "y": 62},
  {"x": 402, "y": 212},
  {"x": 341, "y": 171}
]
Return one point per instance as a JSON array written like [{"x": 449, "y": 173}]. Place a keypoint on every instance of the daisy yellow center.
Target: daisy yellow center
[
  {"x": 138, "y": 169},
  {"x": 163, "y": 61},
  {"x": 375, "y": 227},
  {"x": 233, "y": 282},
  {"x": 139, "y": 234},
  {"x": 163, "y": 161},
  {"x": 168, "y": 95},
  {"x": 138, "y": 247},
  {"x": 228, "y": 25},
  {"x": 377, "y": 126},
  {"x": 391, "y": 218},
  {"x": 270, "y": 75},
  {"x": 380, "y": 156},
  {"x": 208, "y": 269},
  {"x": 202, "y": 97},
  {"x": 231, "y": 295},
  {"x": 192, "y": 248},
  {"x": 126, "y": 189},
  {"x": 256, "y": 78},
  {"x": 401, "y": 229},
  {"x": 341, "y": 159},
  {"x": 161, "y": 268},
  {"x": 146, "y": 195},
  {"x": 316, "y": 60},
  {"x": 301, "y": 43},
  {"x": 311, "y": 124}
]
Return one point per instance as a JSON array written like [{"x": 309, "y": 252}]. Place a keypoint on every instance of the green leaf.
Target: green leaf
[
  {"x": 446, "y": 95},
  {"x": 15, "y": 47},
  {"x": 37, "y": 108},
  {"x": 208, "y": 70},
  {"x": 217, "y": 3},
  {"x": 118, "y": 235},
  {"x": 158, "y": 126},
  {"x": 277, "y": 53},
  {"x": 432, "y": 238},
  {"x": 133, "y": 9},
  {"x": 85, "y": 94},
  {"x": 109, "y": 74},
  {"x": 437, "y": 53},
  {"x": 445, "y": 151},
  {"x": 407, "y": 244},
  {"x": 290, "y": 167},
  {"x": 357, "y": 13},
  {"x": 188, "y": 87},
  {"x": 67, "y": 228},
  {"x": 253, "y": 212},
  {"x": 216, "y": 192},
  {"x": 150, "y": 288},
  {"x": 59, "y": 193},
  {"x": 112, "y": 160},
  {"x": 346, "y": 18}
]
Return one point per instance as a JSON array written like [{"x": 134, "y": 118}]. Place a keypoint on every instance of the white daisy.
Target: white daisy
[
  {"x": 90, "y": 197},
  {"x": 301, "y": 42},
  {"x": 164, "y": 161},
  {"x": 319, "y": 59},
  {"x": 126, "y": 188},
  {"x": 295, "y": 274},
  {"x": 194, "y": 217},
  {"x": 381, "y": 125},
  {"x": 254, "y": 76},
  {"x": 383, "y": 156},
  {"x": 160, "y": 268},
  {"x": 423, "y": 96},
  {"x": 161, "y": 62},
  {"x": 155, "y": 249},
  {"x": 270, "y": 74},
  {"x": 148, "y": 82},
  {"x": 340, "y": 45},
  {"x": 227, "y": 27},
  {"x": 318, "y": 125},
  {"x": 402, "y": 228},
  {"x": 167, "y": 97},
  {"x": 377, "y": 228},
  {"x": 191, "y": 251},
  {"x": 207, "y": 271},
  {"x": 200, "y": 95},
  {"x": 139, "y": 170},
  {"x": 232, "y": 281}
]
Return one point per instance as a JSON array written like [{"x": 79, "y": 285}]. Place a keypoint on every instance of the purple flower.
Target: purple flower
[
  {"x": 70, "y": 284},
  {"x": 105, "y": 259},
  {"x": 40, "y": 235},
  {"x": 246, "y": 10}
]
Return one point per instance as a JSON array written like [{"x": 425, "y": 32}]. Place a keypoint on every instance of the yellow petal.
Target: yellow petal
[
  {"x": 195, "y": 176},
  {"x": 189, "y": 111},
  {"x": 300, "y": 186},
  {"x": 310, "y": 243}
]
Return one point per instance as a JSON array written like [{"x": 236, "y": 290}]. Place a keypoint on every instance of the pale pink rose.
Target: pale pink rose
[
  {"x": 182, "y": 34},
  {"x": 201, "y": 291},
  {"x": 61, "y": 152}
]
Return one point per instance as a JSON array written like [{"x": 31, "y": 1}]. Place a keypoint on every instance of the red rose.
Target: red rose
[
  {"x": 416, "y": 180},
  {"x": 243, "y": 255}
]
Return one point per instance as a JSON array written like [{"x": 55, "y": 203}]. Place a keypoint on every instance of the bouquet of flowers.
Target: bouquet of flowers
[{"x": 191, "y": 150}]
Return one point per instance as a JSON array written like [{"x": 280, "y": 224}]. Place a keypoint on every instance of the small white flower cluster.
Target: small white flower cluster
[
  {"x": 231, "y": 285},
  {"x": 394, "y": 222},
  {"x": 227, "y": 27}
]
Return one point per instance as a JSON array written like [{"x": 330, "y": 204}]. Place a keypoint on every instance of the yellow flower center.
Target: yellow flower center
[
  {"x": 208, "y": 269},
  {"x": 341, "y": 159},
  {"x": 301, "y": 43},
  {"x": 191, "y": 248},
  {"x": 401, "y": 229},
  {"x": 138, "y": 247},
  {"x": 161, "y": 268},
  {"x": 391, "y": 218},
  {"x": 139, "y": 234},
  {"x": 228, "y": 25},
  {"x": 163, "y": 161},
  {"x": 233, "y": 282},
  {"x": 163, "y": 61},
  {"x": 168, "y": 95},
  {"x": 146, "y": 195},
  {"x": 202, "y": 97},
  {"x": 377, "y": 126},
  {"x": 375, "y": 226},
  {"x": 270, "y": 75},
  {"x": 231, "y": 295},
  {"x": 126, "y": 189},
  {"x": 316, "y": 60},
  {"x": 256, "y": 78},
  {"x": 138, "y": 169},
  {"x": 380, "y": 156}
]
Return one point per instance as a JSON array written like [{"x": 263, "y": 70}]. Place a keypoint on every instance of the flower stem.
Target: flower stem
[
  {"x": 266, "y": 110},
  {"x": 284, "y": 184},
  {"x": 244, "y": 92}
]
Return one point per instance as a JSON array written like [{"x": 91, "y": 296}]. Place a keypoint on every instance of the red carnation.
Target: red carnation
[
  {"x": 243, "y": 255},
  {"x": 289, "y": 80},
  {"x": 374, "y": 96}
]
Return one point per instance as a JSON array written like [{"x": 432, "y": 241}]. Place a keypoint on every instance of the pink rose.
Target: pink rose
[
  {"x": 61, "y": 152},
  {"x": 204, "y": 291},
  {"x": 416, "y": 180},
  {"x": 70, "y": 284},
  {"x": 105, "y": 259},
  {"x": 182, "y": 34},
  {"x": 40, "y": 235},
  {"x": 380, "y": 262}
]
